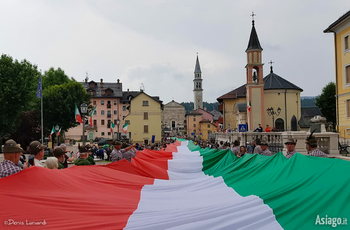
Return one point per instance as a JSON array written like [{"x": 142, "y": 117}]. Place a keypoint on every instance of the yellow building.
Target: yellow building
[
  {"x": 145, "y": 117},
  {"x": 207, "y": 128},
  {"x": 341, "y": 30}
]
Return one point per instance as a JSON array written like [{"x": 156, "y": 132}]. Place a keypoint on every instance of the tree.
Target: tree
[
  {"x": 59, "y": 105},
  {"x": 327, "y": 102},
  {"x": 28, "y": 128},
  {"x": 54, "y": 77},
  {"x": 18, "y": 85}
]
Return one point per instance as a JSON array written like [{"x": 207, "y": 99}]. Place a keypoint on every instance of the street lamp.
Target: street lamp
[
  {"x": 83, "y": 110},
  {"x": 118, "y": 123},
  {"x": 271, "y": 112},
  {"x": 56, "y": 130}
]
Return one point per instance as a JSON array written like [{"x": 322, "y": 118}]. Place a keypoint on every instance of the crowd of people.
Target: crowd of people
[
  {"x": 14, "y": 160},
  {"x": 261, "y": 147}
]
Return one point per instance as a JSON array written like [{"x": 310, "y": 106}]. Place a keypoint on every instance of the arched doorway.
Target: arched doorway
[{"x": 279, "y": 124}]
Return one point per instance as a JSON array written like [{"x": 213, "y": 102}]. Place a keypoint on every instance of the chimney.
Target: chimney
[
  {"x": 101, "y": 83},
  {"x": 118, "y": 83},
  {"x": 86, "y": 79},
  {"x": 128, "y": 90}
]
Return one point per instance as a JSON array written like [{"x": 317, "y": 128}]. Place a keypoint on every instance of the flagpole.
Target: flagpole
[{"x": 42, "y": 112}]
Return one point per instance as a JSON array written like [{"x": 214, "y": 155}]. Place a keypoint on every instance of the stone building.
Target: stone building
[{"x": 173, "y": 118}]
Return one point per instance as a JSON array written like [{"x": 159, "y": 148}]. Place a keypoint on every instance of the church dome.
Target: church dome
[{"x": 273, "y": 81}]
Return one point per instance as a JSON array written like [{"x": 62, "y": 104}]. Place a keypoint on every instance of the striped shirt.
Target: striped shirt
[
  {"x": 317, "y": 153},
  {"x": 290, "y": 154},
  {"x": 8, "y": 168}
]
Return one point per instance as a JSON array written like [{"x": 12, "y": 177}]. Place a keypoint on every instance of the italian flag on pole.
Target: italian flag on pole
[
  {"x": 185, "y": 187},
  {"x": 52, "y": 132},
  {"x": 249, "y": 106},
  {"x": 91, "y": 114},
  {"x": 125, "y": 128},
  {"x": 77, "y": 115}
]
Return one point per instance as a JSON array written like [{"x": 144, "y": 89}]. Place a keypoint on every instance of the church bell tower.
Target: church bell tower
[
  {"x": 255, "y": 81},
  {"x": 197, "y": 87}
]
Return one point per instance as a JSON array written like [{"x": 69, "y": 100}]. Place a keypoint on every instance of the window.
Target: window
[
  {"x": 95, "y": 112},
  {"x": 347, "y": 75},
  {"x": 94, "y": 102},
  {"x": 173, "y": 124},
  {"x": 115, "y": 122},
  {"x": 145, "y": 103},
  {"x": 102, "y": 122},
  {"x": 109, "y": 124},
  {"x": 95, "y": 122},
  {"x": 348, "y": 108},
  {"x": 108, "y": 104},
  {"x": 115, "y": 102},
  {"x": 124, "y": 108},
  {"x": 109, "y": 133},
  {"x": 115, "y": 112},
  {"x": 194, "y": 131},
  {"x": 194, "y": 119},
  {"x": 145, "y": 116},
  {"x": 109, "y": 115},
  {"x": 102, "y": 102},
  {"x": 145, "y": 128},
  {"x": 102, "y": 133},
  {"x": 208, "y": 126},
  {"x": 102, "y": 112},
  {"x": 348, "y": 131},
  {"x": 346, "y": 43},
  {"x": 194, "y": 125}
]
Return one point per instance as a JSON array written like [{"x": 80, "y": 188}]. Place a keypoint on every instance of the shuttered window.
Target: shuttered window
[
  {"x": 348, "y": 108},
  {"x": 347, "y": 74},
  {"x": 145, "y": 128}
]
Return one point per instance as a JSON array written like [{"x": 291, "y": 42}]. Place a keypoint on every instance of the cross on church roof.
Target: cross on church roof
[
  {"x": 271, "y": 62},
  {"x": 253, "y": 16}
]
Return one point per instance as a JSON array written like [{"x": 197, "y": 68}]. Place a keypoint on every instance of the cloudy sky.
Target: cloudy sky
[{"x": 155, "y": 42}]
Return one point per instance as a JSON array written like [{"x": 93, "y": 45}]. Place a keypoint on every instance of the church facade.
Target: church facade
[{"x": 269, "y": 100}]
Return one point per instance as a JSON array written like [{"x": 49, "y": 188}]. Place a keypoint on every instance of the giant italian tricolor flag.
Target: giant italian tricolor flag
[{"x": 184, "y": 187}]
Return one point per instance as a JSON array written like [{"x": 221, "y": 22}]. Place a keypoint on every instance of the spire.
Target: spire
[
  {"x": 253, "y": 40},
  {"x": 197, "y": 68}
]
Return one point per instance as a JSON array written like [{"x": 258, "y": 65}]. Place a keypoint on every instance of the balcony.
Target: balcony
[
  {"x": 88, "y": 127},
  {"x": 108, "y": 106}
]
